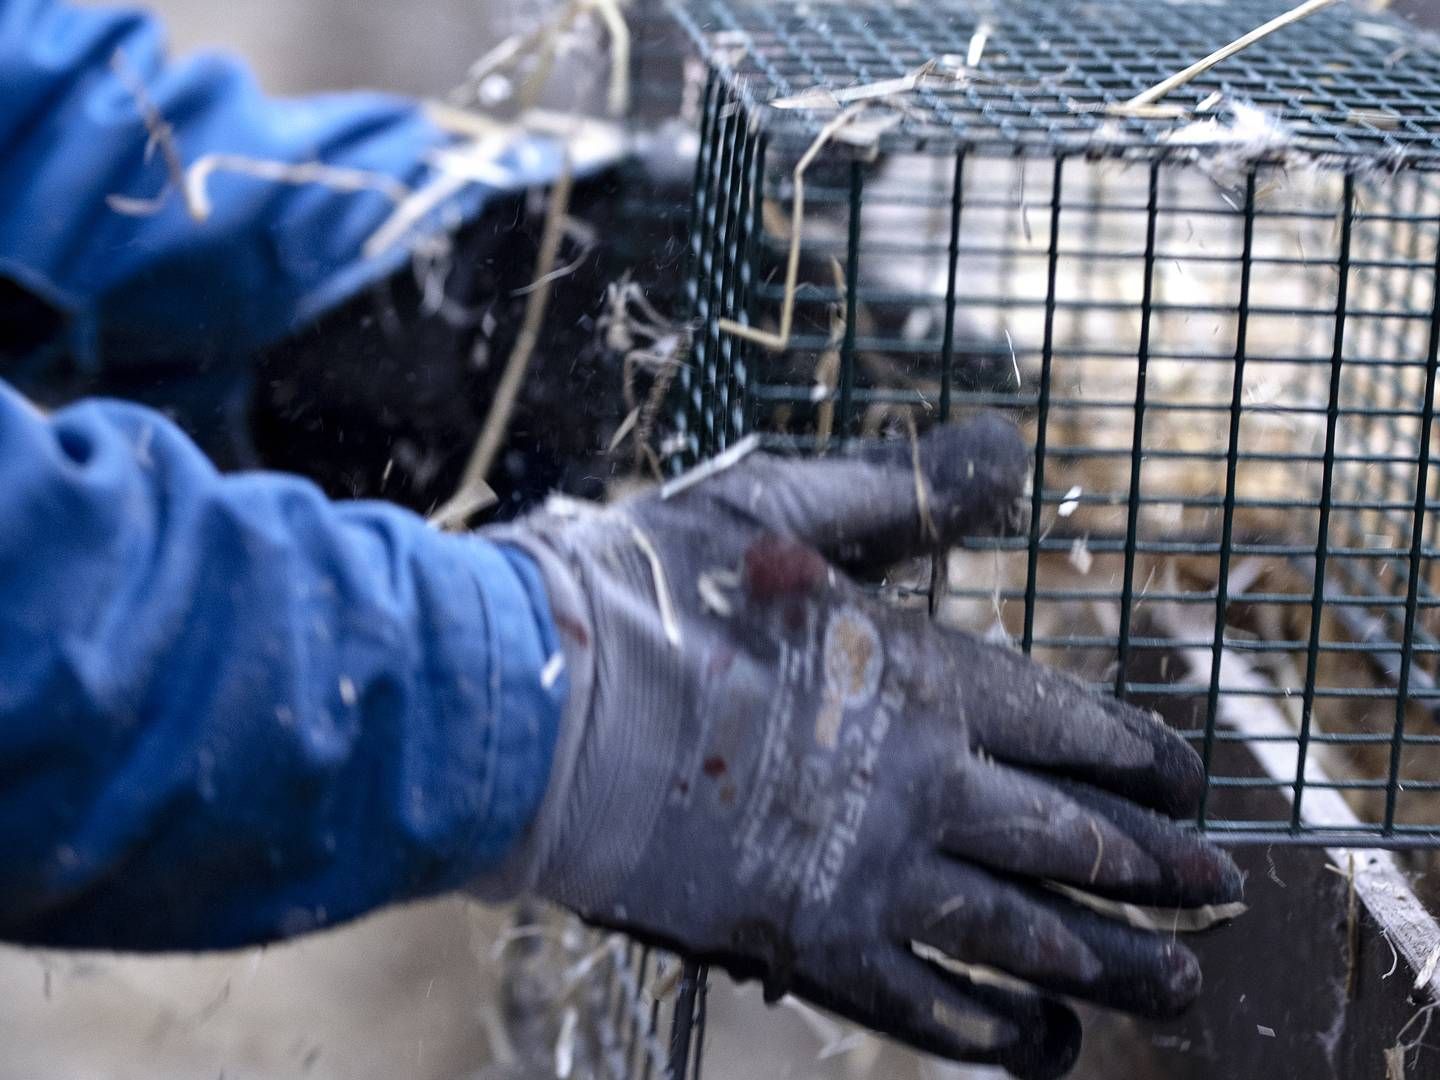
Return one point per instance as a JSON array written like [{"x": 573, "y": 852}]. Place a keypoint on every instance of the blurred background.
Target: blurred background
[
  {"x": 297, "y": 46},
  {"x": 416, "y": 48}
]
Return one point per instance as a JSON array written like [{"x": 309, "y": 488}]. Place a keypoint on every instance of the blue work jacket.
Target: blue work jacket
[
  {"x": 230, "y": 710},
  {"x": 233, "y": 711}
]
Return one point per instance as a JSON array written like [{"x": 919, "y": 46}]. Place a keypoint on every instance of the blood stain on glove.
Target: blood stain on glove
[
  {"x": 715, "y": 768},
  {"x": 572, "y": 628},
  {"x": 777, "y": 567}
]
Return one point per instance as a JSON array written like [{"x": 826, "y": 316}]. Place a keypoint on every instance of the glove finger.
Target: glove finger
[
  {"x": 1042, "y": 827},
  {"x": 868, "y": 510},
  {"x": 900, "y": 995},
  {"x": 1027, "y": 714},
  {"x": 976, "y": 918}
]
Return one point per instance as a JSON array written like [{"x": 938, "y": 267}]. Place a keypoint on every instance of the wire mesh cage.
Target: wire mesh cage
[
  {"x": 583, "y": 1003},
  {"x": 1214, "y": 319}
]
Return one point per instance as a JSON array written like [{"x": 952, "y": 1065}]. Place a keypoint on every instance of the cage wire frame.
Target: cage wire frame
[
  {"x": 1289, "y": 460},
  {"x": 1359, "y": 100},
  {"x": 645, "y": 992}
]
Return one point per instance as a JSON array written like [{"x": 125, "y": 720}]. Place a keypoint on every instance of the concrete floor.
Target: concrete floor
[{"x": 409, "y": 993}]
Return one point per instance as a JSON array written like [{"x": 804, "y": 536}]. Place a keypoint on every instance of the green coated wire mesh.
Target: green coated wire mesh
[
  {"x": 1216, "y": 323},
  {"x": 587, "y": 1004},
  {"x": 1217, "y": 328}
]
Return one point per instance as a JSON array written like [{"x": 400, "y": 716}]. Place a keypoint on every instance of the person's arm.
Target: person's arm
[
  {"x": 270, "y": 256},
  {"x": 231, "y": 711}
]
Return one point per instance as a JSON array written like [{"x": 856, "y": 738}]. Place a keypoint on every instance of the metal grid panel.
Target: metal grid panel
[
  {"x": 590, "y": 1004},
  {"x": 1345, "y": 82},
  {"x": 1228, "y": 382},
  {"x": 650, "y": 997}
]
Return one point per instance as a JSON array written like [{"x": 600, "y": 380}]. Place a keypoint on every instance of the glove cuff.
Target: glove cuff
[
  {"x": 619, "y": 748},
  {"x": 520, "y": 870}
]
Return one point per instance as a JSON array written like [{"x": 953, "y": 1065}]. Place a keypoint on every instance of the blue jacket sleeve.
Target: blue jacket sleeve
[
  {"x": 231, "y": 711},
  {"x": 270, "y": 257}
]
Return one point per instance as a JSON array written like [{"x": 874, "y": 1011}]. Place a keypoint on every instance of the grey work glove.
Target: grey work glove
[{"x": 767, "y": 768}]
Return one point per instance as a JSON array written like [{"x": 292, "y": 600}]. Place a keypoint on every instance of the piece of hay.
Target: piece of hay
[
  {"x": 1394, "y": 1055},
  {"x": 1158, "y": 920},
  {"x": 980, "y": 974},
  {"x": 922, "y": 487},
  {"x": 410, "y": 210},
  {"x": 663, "y": 600},
  {"x": 458, "y": 166},
  {"x": 667, "y": 978},
  {"x": 815, "y": 99},
  {"x": 461, "y": 121},
  {"x": 542, "y": 44},
  {"x": 627, "y": 425},
  {"x": 1138, "y": 112},
  {"x": 618, "y": 99},
  {"x": 1386, "y": 121},
  {"x": 650, "y": 410},
  {"x": 1180, "y": 78},
  {"x": 565, "y": 1042},
  {"x": 582, "y": 969},
  {"x": 497, "y": 421},
  {"x": 730, "y": 457},
  {"x": 1427, "y": 972},
  {"x": 191, "y": 182},
  {"x": 779, "y": 340},
  {"x": 457, "y": 511},
  {"x": 1014, "y": 359},
  {"x": 160, "y": 136},
  {"x": 338, "y": 178},
  {"x": 650, "y": 343},
  {"x": 586, "y": 250},
  {"x": 822, "y": 99}
]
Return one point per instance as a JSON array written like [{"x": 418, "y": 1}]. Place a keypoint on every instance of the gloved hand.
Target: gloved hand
[{"x": 766, "y": 767}]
